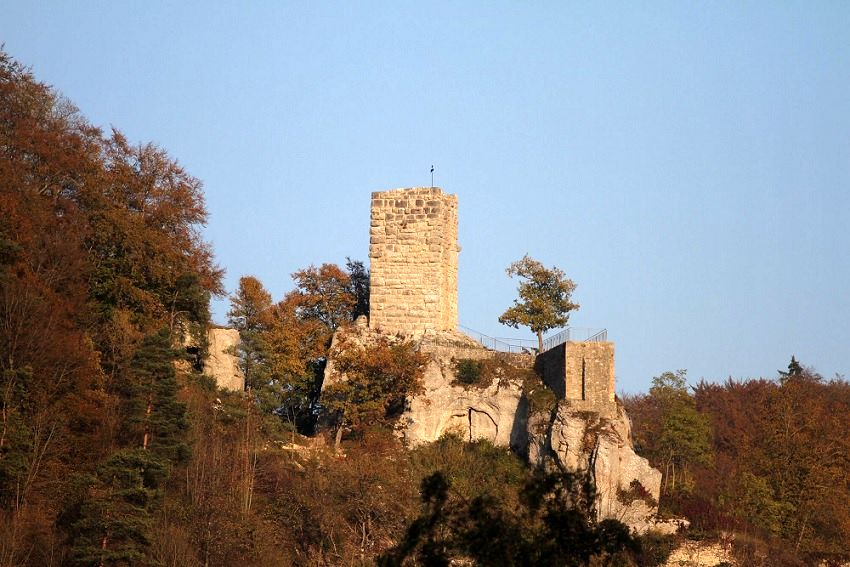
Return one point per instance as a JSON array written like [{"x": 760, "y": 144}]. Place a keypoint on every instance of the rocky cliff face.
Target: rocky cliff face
[
  {"x": 627, "y": 486},
  {"x": 222, "y": 364},
  {"x": 499, "y": 410},
  {"x": 494, "y": 412}
]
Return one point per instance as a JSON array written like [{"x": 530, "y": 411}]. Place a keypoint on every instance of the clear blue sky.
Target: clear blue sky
[{"x": 687, "y": 164}]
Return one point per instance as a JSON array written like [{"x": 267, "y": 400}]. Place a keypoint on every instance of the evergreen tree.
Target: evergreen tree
[
  {"x": 113, "y": 520},
  {"x": 795, "y": 369},
  {"x": 153, "y": 419},
  {"x": 359, "y": 287},
  {"x": 249, "y": 314},
  {"x": 114, "y": 515}
]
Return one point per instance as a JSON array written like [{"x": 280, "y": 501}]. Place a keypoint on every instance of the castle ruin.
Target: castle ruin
[
  {"x": 414, "y": 264},
  {"x": 413, "y": 253}
]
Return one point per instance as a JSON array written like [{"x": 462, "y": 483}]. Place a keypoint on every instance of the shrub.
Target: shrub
[{"x": 468, "y": 372}]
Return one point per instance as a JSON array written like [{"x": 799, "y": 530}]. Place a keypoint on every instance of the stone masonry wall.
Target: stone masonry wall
[
  {"x": 591, "y": 366},
  {"x": 583, "y": 373},
  {"x": 413, "y": 253}
]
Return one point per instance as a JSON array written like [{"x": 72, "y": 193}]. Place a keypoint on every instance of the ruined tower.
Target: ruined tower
[
  {"x": 583, "y": 373},
  {"x": 413, "y": 253}
]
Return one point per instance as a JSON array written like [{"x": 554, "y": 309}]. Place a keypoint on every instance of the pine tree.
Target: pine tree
[
  {"x": 249, "y": 314},
  {"x": 115, "y": 514}
]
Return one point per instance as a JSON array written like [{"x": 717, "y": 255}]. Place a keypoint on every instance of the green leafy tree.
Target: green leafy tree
[
  {"x": 544, "y": 298},
  {"x": 685, "y": 435}
]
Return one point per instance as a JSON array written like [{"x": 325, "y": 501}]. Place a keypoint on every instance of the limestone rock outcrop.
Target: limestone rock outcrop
[
  {"x": 494, "y": 412},
  {"x": 702, "y": 554},
  {"x": 569, "y": 438},
  {"x": 222, "y": 364},
  {"x": 627, "y": 486}
]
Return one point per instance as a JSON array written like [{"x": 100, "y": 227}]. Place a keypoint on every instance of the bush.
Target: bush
[
  {"x": 473, "y": 468},
  {"x": 468, "y": 372},
  {"x": 636, "y": 491},
  {"x": 655, "y": 549},
  {"x": 501, "y": 367}
]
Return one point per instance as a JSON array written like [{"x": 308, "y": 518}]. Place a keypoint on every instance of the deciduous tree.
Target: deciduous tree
[
  {"x": 377, "y": 380},
  {"x": 325, "y": 294},
  {"x": 685, "y": 435},
  {"x": 544, "y": 298}
]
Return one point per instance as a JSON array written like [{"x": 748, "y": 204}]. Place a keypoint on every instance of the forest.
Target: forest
[{"x": 116, "y": 449}]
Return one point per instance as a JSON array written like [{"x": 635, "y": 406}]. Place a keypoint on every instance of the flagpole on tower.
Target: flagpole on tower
[{"x": 432, "y": 176}]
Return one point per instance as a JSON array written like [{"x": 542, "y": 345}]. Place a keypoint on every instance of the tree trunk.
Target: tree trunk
[
  {"x": 103, "y": 544},
  {"x": 539, "y": 342},
  {"x": 148, "y": 410},
  {"x": 338, "y": 439}
]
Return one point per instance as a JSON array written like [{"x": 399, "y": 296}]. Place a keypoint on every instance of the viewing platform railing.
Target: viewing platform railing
[
  {"x": 501, "y": 344},
  {"x": 529, "y": 346},
  {"x": 577, "y": 334}
]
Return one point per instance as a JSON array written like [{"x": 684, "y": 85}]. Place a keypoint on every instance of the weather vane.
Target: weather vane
[{"x": 432, "y": 175}]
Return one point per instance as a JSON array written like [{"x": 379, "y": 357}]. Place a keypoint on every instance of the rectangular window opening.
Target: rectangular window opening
[{"x": 583, "y": 383}]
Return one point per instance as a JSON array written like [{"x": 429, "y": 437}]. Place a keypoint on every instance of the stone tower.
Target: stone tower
[
  {"x": 413, "y": 254},
  {"x": 583, "y": 373}
]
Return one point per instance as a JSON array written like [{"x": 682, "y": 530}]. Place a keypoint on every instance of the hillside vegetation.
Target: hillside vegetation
[
  {"x": 766, "y": 460},
  {"x": 116, "y": 449}
]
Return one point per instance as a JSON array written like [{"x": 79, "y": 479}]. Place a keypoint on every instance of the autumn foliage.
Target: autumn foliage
[
  {"x": 775, "y": 471},
  {"x": 100, "y": 258},
  {"x": 115, "y": 449}
]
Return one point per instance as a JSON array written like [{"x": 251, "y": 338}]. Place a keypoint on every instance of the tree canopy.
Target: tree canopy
[
  {"x": 102, "y": 271},
  {"x": 764, "y": 458},
  {"x": 544, "y": 298},
  {"x": 283, "y": 345}
]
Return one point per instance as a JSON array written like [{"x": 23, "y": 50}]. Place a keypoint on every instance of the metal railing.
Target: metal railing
[
  {"x": 529, "y": 346},
  {"x": 501, "y": 344},
  {"x": 575, "y": 334}
]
